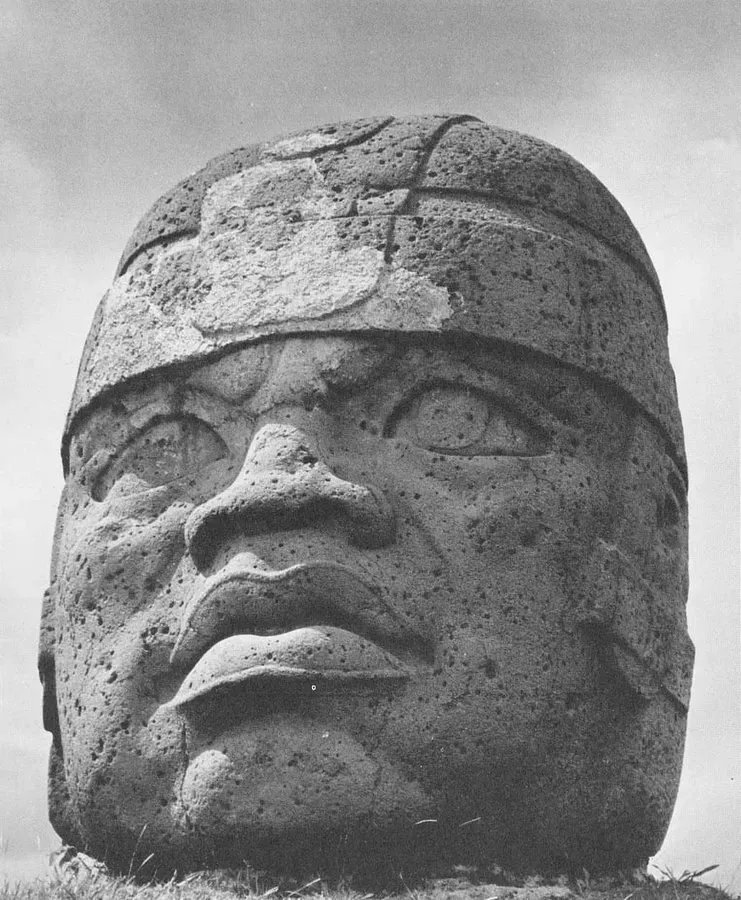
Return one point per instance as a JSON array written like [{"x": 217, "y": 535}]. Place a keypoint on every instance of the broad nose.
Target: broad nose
[{"x": 284, "y": 485}]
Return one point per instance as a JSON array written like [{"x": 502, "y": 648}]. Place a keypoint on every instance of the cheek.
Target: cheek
[
  {"x": 119, "y": 583},
  {"x": 114, "y": 565},
  {"x": 118, "y": 589},
  {"x": 522, "y": 514},
  {"x": 123, "y": 756},
  {"x": 507, "y": 540},
  {"x": 654, "y": 529}
]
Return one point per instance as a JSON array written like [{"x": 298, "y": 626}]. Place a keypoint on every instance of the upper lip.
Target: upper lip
[{"x": 244, "y": 600}]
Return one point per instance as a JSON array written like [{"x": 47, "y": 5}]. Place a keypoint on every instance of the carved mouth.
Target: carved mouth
[
  {"x": 316, "y": 621},
  {"x": 316, "y": 654}
]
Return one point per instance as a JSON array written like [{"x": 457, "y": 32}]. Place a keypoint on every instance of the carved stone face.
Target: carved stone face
[
  {"x": 372, "y": 548},
  {"x": 323, "y": 588}
]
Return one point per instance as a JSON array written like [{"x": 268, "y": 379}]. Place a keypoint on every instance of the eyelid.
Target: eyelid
[
  {"x": 189, "y": 401},
  {"x": 195, "y": 405},
  {"x": 494, "y": 389},
  {"x": 94, "y": 467},
  {"x": 509, "y": 395},
  {"x": 108, "y": 459},
  {"x": 534, "y": 429}
]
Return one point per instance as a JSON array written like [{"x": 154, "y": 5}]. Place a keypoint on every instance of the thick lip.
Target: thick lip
[
  {"x": 317, "y": 620},
  {"x": 316, "y": 654}
]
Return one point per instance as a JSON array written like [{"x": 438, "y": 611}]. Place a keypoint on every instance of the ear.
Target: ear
[
  {"x": 47, "y": 671},
  {"x": 59, "y": 802},
  {"x": 640, "y": 638}
]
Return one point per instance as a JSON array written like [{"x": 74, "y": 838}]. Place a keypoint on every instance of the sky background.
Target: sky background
[{"x": 105, "y": 104}]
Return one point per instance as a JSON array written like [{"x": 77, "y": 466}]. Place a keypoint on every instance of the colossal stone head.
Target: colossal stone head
[{"x": 372, "y": 547}]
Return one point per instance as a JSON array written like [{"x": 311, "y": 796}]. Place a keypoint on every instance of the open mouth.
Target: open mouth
[{"x": 317, "y": 622}]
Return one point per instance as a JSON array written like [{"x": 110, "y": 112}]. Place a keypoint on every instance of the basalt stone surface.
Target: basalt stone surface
[
  {"x": 372, "y": 547},
  {"x": 418, "y": 225}
]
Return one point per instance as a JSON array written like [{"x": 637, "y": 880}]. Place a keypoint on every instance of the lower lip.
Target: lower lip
[{"x": 318, "y": 653}]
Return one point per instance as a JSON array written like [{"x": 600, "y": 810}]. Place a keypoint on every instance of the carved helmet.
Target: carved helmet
[{"x": 430, "y": 224}]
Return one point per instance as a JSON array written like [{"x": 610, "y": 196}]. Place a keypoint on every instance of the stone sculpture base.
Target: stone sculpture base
[{"x": 77, "y": 870}]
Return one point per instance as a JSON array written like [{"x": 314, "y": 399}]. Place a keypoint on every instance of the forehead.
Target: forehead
[
  {"x": 358, "y": 377},
  {"x": 279, "y": 370},
  {"x": 370, "y": 378}
]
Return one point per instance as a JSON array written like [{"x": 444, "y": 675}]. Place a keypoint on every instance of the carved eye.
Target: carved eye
[
  {"x": 461, "y": 421},
  {"x": 166, "y": 450}
]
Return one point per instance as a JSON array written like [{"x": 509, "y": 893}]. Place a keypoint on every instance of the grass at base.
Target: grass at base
[{"x": 216, "y": 886}]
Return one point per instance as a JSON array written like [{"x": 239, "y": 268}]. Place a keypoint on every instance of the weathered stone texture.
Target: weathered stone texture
[
  {"x": 528, "y": 246},
  {"x": 372, "y": 548}
]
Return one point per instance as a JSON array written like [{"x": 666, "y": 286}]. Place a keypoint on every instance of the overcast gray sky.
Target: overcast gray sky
[{"x": 105, "y": 104}]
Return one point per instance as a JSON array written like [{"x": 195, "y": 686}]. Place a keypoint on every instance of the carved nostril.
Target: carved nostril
[{"x": 284, "y": 485}]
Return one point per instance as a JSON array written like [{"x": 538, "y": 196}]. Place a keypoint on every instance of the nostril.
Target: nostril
[
  {"x": 203, "y": 535},
  {"x": 285, "y": 485},
  {"x": 306, "y": 457}
]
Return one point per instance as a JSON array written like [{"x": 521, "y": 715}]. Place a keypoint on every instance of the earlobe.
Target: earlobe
[
  {"x": 59, "y": 802},
  {"x": 648, "y": 650},
  {"x": 60, "y": 807},
  {"x": 47, "y": 671}
]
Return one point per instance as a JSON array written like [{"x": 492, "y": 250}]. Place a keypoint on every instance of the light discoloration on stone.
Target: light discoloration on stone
[
  {"x": 307, "y": 234},
  {"x": 373, "y": 544},
  {"x": 266, "y": 269}
]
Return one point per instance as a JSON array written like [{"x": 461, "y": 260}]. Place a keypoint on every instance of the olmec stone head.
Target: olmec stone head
[{"x": 373, "y": 539}]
